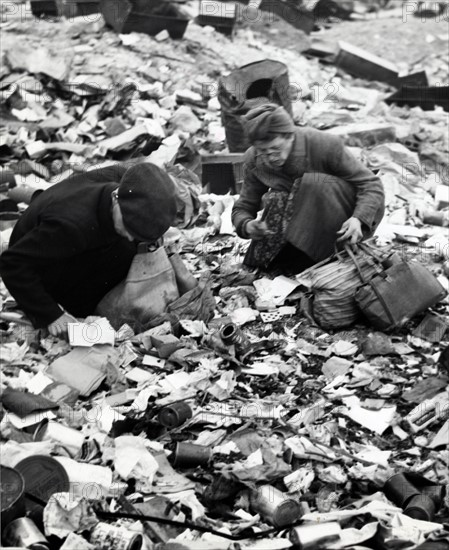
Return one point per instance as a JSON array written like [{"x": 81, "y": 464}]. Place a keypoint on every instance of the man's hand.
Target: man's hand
[
  {"x": 257, "y": 230},
  {"x": 351, "y": 231},
  {"x": 60, "y": 326}
]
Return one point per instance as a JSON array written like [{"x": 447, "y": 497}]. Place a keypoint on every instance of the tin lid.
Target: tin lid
[
  {"x": 12, "y": 486},
  {"x": 287, "y": 512},
  {"x": 43, "y": 476}
]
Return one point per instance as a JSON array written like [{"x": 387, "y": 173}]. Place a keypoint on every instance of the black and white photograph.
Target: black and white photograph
[{"x": 224, "y": 274}]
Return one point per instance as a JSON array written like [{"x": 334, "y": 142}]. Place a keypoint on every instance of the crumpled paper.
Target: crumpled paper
[
  {"x": 65, "y": 514},
  {"x": 133, "y": 460}
]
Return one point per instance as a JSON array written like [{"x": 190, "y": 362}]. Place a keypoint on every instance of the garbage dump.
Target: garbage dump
[{"x": 224, "y": 266}]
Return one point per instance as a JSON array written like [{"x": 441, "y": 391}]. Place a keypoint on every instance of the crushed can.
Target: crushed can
[
  {"x": 315, "y": 536},
  {"x": 106, "y": 536},
  {"x": 175, "y": 415},
  {"x": 23, "y": 533},
  {"x": 275, "y": 506}
]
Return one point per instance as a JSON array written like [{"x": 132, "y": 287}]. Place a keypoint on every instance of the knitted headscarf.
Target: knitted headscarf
[
  {"x": 267, "y": 121},
  {"x": 146, "y": 197}
]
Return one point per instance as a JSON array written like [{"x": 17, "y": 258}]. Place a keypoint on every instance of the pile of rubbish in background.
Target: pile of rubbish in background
[{"x": 250, "y": 427}]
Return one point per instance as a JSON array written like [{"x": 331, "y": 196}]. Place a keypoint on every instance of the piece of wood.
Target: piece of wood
[
  {"x": 365, "y": 134},
  {"x": 364, "y": 64}
]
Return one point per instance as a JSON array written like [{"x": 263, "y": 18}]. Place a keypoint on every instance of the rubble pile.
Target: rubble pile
[{"x": 252, "y": 427}]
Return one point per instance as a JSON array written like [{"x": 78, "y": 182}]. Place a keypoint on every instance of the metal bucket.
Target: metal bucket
[
  {"x": 246, "y": 88},
  {"x": 12, "y": 486}
]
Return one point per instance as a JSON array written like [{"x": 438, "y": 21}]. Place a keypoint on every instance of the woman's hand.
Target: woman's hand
[
  {"x": 60, "y": 326},
  {"x": 256, "y": 230},
  {"x": 351, "y": 231}
]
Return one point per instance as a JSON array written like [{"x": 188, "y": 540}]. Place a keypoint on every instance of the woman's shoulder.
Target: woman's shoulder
[
  {"x": 319, "y": 137},
  {"x": 249, "y": 156}
]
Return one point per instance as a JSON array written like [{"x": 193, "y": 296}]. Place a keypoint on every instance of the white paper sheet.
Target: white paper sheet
[
  {"x": 376, "y": 421},
  {"x": 90, "y": 334}
]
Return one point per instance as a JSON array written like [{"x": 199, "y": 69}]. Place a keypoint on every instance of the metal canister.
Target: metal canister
[
  {"x": 43, "y": 477},
  {"x": 275, "y": 506},
  {"x": 106, "y": 536},
  {"x": 175, "y": 415},
  {"x": 400, "y": 490},
  {"x": 23, "y": 532},
  {"x": 190, "y": 455},
  {"x": 421, "y": 507},
  {"x": 12, "y": 486},
  {"x": 314, "y": 536},
  {"x": 232, "y": 335}
]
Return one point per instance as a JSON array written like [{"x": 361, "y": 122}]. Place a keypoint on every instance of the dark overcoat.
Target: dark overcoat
[{"x": 64, "y": 250}]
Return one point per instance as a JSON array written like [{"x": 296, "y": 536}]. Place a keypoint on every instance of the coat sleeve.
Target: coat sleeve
[
  {"x": 370, "y": 193},
  {"x": 49, "y": 242},
  {"x": 249, "y": 202}
]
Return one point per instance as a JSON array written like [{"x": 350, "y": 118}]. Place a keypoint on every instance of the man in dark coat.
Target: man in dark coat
[
  {"x": 314, "y": 191},
  {"x": 77, "y": 239}
]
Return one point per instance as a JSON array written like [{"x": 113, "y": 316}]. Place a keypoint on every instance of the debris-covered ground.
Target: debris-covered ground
[{"x": 282, "y": 422}]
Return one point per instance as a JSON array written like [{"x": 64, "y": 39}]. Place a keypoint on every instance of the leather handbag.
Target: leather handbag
[{"x": 392, "y": 297}]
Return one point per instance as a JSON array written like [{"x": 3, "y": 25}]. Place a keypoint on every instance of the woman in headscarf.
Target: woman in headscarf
[{"x": 314, "y": 192}]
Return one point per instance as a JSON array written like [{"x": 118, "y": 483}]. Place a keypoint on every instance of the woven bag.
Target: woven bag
[{"x": 334, "y": 282}]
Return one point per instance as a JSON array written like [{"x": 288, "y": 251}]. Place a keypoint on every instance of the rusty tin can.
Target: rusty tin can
[
  {"x": 315, "y": 536},
  {"x": 421, "y": 507},
  {"x": 12, "y": 486},
  {"x": 175, "y": 415},
  {"x": 189, "y": 455},
  {"x": 106, "y": 536},
  {"x": 232, "y": 335},
  {"x": 43, "y": 476},
  {"x": 23, "y": 533},
  {"x": 400, "y": 490},
  {"x": 275, "y": 506}
]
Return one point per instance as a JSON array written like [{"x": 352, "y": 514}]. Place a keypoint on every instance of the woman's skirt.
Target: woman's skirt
[{"x": 308, "y": 217}]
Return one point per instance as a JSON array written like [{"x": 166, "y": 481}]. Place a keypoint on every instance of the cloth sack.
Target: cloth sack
[
  {"x": 145, "y": 293},
  {"x": 196, "y": 304}
]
